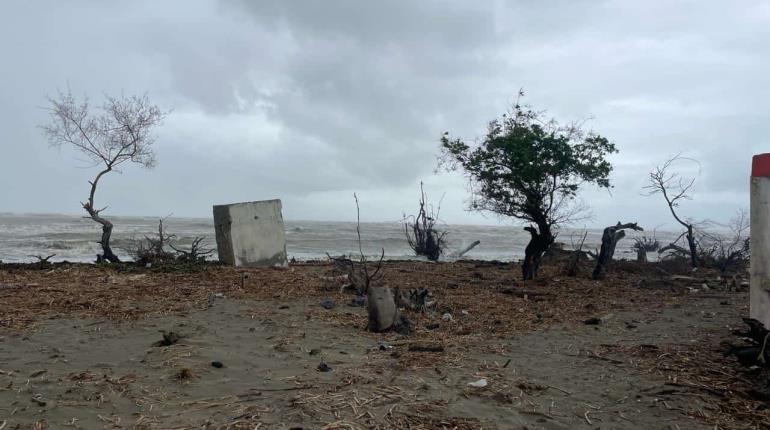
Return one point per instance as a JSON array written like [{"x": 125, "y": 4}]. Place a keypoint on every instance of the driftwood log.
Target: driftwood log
[
  {"x": 467, "y": 249},
  {"x": 610, "y": 238}
]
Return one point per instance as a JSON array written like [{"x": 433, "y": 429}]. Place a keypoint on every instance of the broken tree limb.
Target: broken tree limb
[
  {"x": 678, "y": 250},
  {"x": 43, "y": 260},
  {"x": 468, "y": 248},
  {"x": 425, "y": 348},
  {"x": 610, "y": 239}
]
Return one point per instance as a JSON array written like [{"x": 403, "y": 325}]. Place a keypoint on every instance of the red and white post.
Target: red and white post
[{"x": 760, "y": 239}]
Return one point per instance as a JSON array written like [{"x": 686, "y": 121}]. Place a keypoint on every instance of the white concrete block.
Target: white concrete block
[
  {"x": 759, "y": 294},
  {"x": 251, "y": 234}
]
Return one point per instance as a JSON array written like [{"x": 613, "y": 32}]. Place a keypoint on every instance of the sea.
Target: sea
[{"x": 74, "y": 238}]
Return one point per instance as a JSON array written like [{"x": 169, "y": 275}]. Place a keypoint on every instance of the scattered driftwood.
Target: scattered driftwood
[
  {"x": 43, "y": 261},
  {"x": 421, "y": 233},
  {"x": 610, "y": 239},
  {"x": 525, "y": 294},
  {"x": 197, "y": 253},
  {"x": 152, "y": 250}
]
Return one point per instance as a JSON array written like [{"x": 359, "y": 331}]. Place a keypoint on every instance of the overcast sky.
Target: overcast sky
[{"x": 309, "y": 101}]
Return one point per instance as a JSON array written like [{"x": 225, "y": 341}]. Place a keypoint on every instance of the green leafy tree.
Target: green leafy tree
[{"x": 531, "y": 168}]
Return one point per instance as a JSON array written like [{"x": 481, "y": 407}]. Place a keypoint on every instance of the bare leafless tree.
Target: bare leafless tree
[
  {"x": 360, "y": 274},
  {"x": 119, "y": 131},
  {"x": 674, "y": 188},
  {"x": 421, "y": 232},
  {"x": 729, "y": 249}
]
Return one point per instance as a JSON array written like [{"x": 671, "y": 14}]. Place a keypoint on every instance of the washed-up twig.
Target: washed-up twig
[
  {"x": 559, "y": 389},
  {"x": 426, "y": 348},
  {"x": 597, "y": 357},
  {"x": 699, "y": 387},
  {"x": 300, "y": 387}
]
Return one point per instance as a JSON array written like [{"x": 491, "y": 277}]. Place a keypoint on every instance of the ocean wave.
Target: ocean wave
[{"x": 75, "y": 239}]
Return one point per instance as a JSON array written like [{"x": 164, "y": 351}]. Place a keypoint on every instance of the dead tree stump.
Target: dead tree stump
[
  {"x": 610, "y": 238},
  {"x": 383, "y": 312}
]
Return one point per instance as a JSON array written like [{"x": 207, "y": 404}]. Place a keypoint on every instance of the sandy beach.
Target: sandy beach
[{"x": 80, "y": 347}]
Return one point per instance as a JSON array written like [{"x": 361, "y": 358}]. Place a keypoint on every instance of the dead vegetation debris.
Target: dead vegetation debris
[
  {"x": 482, "y": 299},
  {"x": 725, "y": 394}
]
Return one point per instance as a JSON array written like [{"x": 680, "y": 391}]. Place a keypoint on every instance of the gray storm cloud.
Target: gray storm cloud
[{"x": 309, "y": 101}]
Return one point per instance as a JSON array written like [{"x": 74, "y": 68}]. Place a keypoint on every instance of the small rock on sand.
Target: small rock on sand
[{"x": 327, "y": 303}]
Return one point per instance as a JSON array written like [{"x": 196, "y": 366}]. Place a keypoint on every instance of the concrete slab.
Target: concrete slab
[{"x": 251, "y": 234}]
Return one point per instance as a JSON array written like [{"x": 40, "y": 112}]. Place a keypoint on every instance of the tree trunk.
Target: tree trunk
[
  {"x": 105, "y": 242},
  {"x": 107, "y": 254},
  {"x": 605, "y": 253},
  {"x": 610, "y": 238},
  {"x": 641, "y": 256},
  {"x": 538, "y": 244},
  {"x": 615, "y": 239},
  {"x": 106, "y": 225},
  {"x": 693, "y": 247}
]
